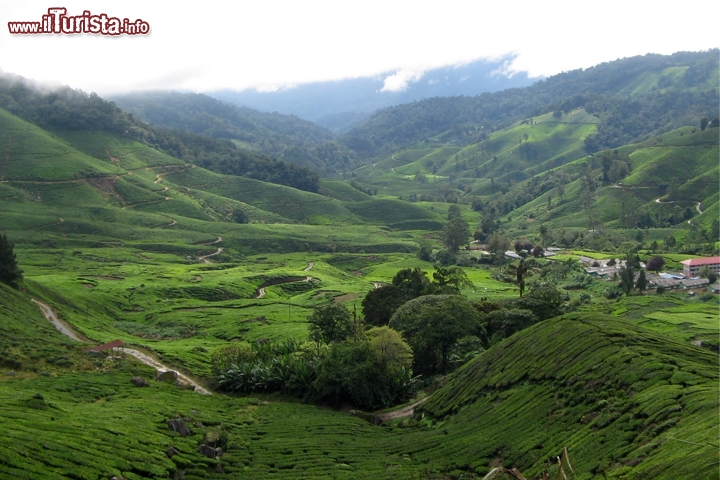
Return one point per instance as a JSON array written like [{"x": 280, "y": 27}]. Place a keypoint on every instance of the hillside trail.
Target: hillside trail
[
  {"x": 142, "y": 357},
  {"x": 261, "y": 291},
  {"x": 204, "y": 258},
  {"x": 211, "y": 242},
  {"x": 406, "y": 411},
  {"x": 52, "y": 318},
  {"x": 697, "y": 205},
  {"x": 309, "y": 267}
]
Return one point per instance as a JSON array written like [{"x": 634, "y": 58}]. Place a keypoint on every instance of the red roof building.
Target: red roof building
[
  {"x": 106, "y": 346},
  {"x": 693, "y": 266}
]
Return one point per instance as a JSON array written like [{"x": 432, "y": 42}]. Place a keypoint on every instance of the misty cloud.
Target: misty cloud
[{"x": 400, "y": 80}]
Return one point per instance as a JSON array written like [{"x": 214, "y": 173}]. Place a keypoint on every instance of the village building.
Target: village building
[{"x": 692, "y": 267}]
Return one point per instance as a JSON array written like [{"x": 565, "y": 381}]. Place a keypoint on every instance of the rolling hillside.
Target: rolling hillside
[
  {"x": 537, "y": 172},
  {"x": 634, "y": 98},
  {"x": 124, "y": 235},
  {"x": 283, "y": 136},
  {"x": 628, "y": 403}
]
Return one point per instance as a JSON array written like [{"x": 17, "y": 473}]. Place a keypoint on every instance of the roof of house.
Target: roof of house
[
  {"x": 701, "y": 261},
  {"x": 106, "y": 346},
  {"x": 694, "y": 282}
]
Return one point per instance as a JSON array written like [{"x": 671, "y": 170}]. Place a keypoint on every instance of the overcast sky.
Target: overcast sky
[{"x": 210, "y": 45}]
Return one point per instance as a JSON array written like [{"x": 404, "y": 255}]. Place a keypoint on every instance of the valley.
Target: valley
[{"x": 432, "y": 301}]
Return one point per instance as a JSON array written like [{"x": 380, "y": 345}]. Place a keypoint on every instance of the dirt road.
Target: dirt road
[
  {"x": 64, "y": 329},
  {"x": 204, "y": 258},
  {"x": 143, "y": 357}
]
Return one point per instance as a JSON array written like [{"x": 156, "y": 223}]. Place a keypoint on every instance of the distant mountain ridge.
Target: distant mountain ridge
[
  {"x": 634, "y": 98},
  {"x": 337, "y": 105},
  {"x": 282, "y": 136},
  {"x": 65, "y": 109}
]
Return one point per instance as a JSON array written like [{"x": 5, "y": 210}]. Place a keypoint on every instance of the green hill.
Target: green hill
[
  {"x": 120, "y": 229},
  {"x": 283, "y": 136},
  {"x": 634, "y": 98},
  {"x": 626, "y": 403},
  {"x": 668, "y": 177}
]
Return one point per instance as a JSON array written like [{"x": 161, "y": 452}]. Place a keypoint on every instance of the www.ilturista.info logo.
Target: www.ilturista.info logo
[{"x": 57, "y": 22}]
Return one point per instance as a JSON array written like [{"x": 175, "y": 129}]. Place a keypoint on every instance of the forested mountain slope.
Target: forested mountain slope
[
  {"x": 633, "y": 97},
  {"x": 283, "y": 136}
]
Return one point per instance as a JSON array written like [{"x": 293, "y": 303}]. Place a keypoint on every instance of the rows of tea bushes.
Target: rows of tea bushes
[{"x": 627, "y": 402}]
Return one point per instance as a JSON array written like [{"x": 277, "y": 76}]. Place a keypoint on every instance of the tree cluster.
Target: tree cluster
[
  {"x": 10, "y": 272},
  {"x": 370, "y": 369}
]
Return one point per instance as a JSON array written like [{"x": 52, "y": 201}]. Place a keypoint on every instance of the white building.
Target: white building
[{"x": 693, "y": 266}]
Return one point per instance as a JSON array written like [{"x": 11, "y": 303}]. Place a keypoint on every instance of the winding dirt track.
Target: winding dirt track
[
  {"x": 64, "y": 329},
  {"x": 143, "y": 357},
  {"x": 204, "y": 258}
]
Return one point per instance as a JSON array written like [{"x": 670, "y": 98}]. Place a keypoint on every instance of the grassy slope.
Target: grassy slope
[
  {"x": 681, "y": 158},
  {"x": 625, "y": 401},
  {"x": 118, "y": 260},
  {"x": 30, "y": 153},
  {"x": 504, "y": 155}
]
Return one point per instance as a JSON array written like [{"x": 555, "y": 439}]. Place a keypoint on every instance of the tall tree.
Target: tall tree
[
  {"x": 641, "y": 282},
  {"x": 331, "y": 323},
  {"x": 520, "y": 274},
  {"x": 454, "y": 212},
  {"x": 10, "y": 273},
  {"x": 627, "y": 276},
  {"x": 455, "y": 234},
  {"x": 450, "y": 279},
  {"x": 544, "y": 233},
  {"x": 411, "y": 282}
]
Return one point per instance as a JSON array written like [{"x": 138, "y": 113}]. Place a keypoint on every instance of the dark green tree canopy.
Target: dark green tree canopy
[
  {"x": 380, "y": 304},
  {"x": 432, "y": 324},
  {"x": 455, "y": 234},
  {"x": 411, "y": 282},
  {"x": 331, "y": 323},
  {"x": 10, "y": 273},
  {"x": 505, "y": 322},
  {"x": 450, "y": 279},
  {"x": 627, "y": 277},
  {"x": 544, "y": 302},
  {"x": 641, "y": 283},
  {"x": 356, "y": 372}
]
